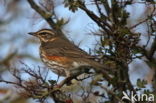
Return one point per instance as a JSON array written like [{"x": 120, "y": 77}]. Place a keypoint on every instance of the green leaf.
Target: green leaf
[
  {"x": 71, "y": 4},
  {"x": 52, "y": 82},
  {"x": 141, "y": 83}
]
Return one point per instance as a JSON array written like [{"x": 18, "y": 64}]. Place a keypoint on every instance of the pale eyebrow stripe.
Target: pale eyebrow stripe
[{"x": 45, "y": 31}]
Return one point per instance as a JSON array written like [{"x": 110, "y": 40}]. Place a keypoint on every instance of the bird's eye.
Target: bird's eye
[
  {"x": 42, "y": 34},
  {"x": 46, "y": 35}
]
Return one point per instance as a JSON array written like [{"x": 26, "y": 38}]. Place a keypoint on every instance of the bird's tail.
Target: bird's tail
[{"x": 99, "y": 66}]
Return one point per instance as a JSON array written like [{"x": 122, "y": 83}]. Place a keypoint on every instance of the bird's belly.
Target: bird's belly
[
  {"x": 64, "y": 66},
  {"x": 55, "y": 67}
]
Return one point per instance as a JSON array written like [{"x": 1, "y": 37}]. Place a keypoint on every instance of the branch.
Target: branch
[
  {"x": 8, "y": 58},
  {"x": 111, "y": 92},
  {"x": 99, "y": 10},
  {"x": 103, "y": 24},
  {"x": 142, "y": 21},
  {"x": 37, "y": 87},
  {"x": 153, "y": 49},
  {"x": 46, "y": 15}
]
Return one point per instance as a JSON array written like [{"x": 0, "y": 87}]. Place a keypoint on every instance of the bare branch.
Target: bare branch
[
  {"x": 103, "y": 24},
  {"x": 7, "y": 59},
  {"x": 46, "y": 15},
  {"x": 38, "y": 88},
  {"x": 145, "y": 20},
  {"x": 153, "y": 49}
]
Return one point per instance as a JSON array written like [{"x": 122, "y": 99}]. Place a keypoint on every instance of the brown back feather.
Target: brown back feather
[{"x": 63, "y": 47}]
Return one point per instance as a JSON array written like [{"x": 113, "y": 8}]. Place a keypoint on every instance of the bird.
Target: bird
[{"x": 62, "y": 56}]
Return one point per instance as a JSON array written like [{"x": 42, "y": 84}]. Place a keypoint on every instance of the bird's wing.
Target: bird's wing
[
  {"x": 66, "y": 49},
  {"x": 72, "y": 52},
  {"x": 76, "y": 52}
]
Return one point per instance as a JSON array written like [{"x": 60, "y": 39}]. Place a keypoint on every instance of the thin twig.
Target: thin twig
[
  {"x": 111, "y": 92},
  {"x": 104, "y": 25},
  {"x": 153, "y": 49},
  {"x": 134, "y": 26},
  {"x": 46, "y": 15}
]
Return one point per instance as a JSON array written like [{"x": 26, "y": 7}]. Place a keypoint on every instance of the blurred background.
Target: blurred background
[{"x": 17, "y": 19}]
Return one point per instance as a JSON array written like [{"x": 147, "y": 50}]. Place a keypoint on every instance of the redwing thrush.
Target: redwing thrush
[{"x": 62, "y": 56}]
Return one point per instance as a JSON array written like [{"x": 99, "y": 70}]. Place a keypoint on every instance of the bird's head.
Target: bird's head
[{"x": 44, "y": 35}]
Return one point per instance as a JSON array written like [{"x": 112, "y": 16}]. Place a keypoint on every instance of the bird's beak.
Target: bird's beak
[{"x": 32, "y": 33}]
